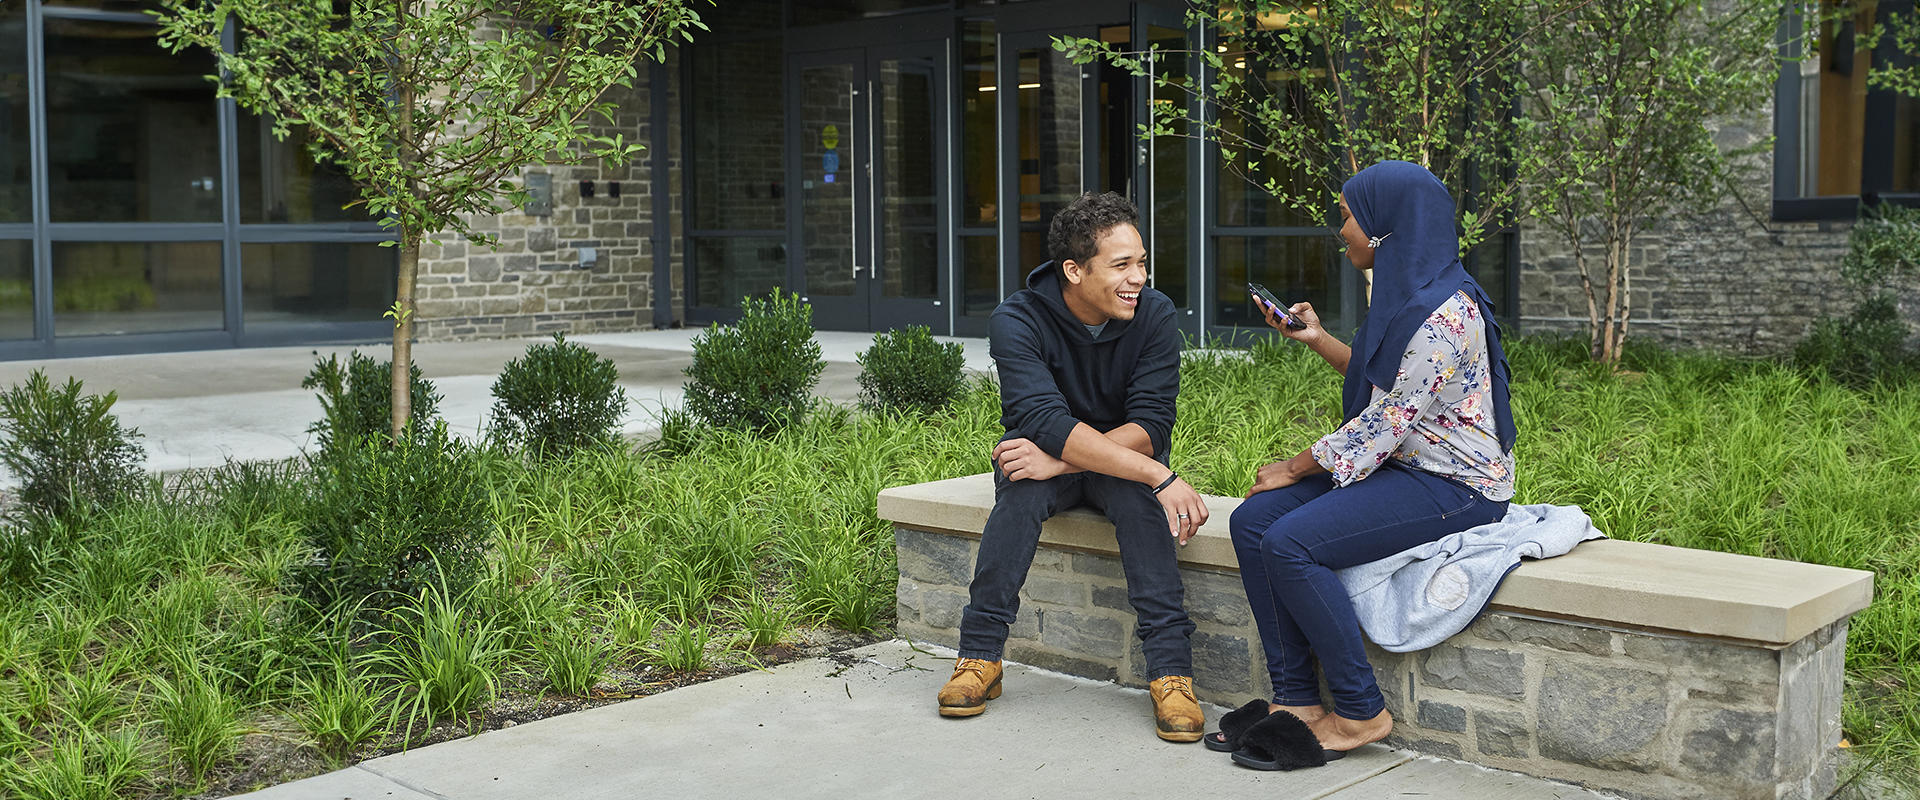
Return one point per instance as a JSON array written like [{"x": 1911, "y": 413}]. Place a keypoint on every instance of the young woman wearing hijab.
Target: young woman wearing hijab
[{"x": 1426, "y": 450}]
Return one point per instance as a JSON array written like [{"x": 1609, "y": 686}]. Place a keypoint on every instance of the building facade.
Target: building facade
[{"x": 893, "y": 161}]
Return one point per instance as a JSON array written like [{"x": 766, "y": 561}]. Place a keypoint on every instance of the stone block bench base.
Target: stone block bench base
[{"x": 1734, "y": 695}]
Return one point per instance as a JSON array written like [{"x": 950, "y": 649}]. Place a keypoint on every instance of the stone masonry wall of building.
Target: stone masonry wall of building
[
  {"x": 531, "y": 283},
  {"x": 1733, "y": 279}
]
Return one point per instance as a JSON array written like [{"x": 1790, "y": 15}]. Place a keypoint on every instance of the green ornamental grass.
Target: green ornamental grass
[{"x": 690, "y": 558}]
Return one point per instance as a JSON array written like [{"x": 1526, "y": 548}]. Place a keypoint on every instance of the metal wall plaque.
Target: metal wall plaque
[{"x": 540, "y": 194}]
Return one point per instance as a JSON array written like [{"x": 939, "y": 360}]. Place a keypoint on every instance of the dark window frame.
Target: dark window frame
[
  {"x": 1876, "y": 169},
  {"x": 229, "y": 232}
]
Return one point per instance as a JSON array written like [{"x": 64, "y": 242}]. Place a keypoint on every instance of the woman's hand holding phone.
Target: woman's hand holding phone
[{"x": 1301, "y": 312}]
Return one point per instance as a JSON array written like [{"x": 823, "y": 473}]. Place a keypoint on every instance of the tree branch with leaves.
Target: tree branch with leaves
[
  {"x": 433, "y": 108},
  {"x": 1300, "y": 96}
]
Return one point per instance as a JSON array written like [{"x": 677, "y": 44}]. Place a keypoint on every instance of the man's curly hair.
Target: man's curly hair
[{"x": 1076, "y": 230}]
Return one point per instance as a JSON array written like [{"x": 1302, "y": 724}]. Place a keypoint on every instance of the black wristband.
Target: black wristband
[{"x": 1171, "y": 477}]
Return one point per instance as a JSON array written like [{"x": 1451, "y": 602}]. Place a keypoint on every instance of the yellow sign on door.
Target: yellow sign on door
[{"x": 830, "y": 137}]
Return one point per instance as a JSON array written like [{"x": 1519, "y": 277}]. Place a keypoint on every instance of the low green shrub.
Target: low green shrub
[
  {"x": 758, "y": 373},
  {"x": 390, "y": 520},
  {"x": 1868, "y": 344},
  {"x": 1883, "y": 246},
  {"x": 356, "y": 400},
  {"x": 69, "y": 451},
  {"x": 907, "y": 371},
  {"x": 1871, "y": 342},
  {"x": 558, "y": 399}
]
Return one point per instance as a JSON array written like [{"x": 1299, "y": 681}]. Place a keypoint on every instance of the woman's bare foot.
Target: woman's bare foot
[
  {"x": 1336, "y": 732},
  {"x": 1307, "y": 714}
]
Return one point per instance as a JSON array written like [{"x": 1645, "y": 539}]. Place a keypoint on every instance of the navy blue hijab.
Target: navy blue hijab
[{"x": 1415, "y": 269}]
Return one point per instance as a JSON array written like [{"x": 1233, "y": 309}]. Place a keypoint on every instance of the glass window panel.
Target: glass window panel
[
  {"x": 16, "y": 289},
  {"x": 1906, "y": 145},
  {"x": 739, "y": 165},
  {"x": 817, "y": 12},
  {"x": 827, "y": 209},
  {"x": 1115, "y": 135},
  {"x": 1049, "y": 144},
  {"x": 729, "y": 268},
  {"x": 122, "y": 6},
  {"x": 312, "y": 282},
  {"x": 1295, "y": 268},
  {"x": 1833, "y": 94},
  {"x": 131, "y": 129},
  {"x": 130, "y": 287},
  {"x": 280, "y": 182},
  {"x": 742, "y": 17},
  {"x": 979, "y": 275},
  {"x": 909, "y": 216},
  {"x": 16, "y": 186},
  {"x": 979, "y": 132},
  {"x": 1169, "y": 214},
  {"x": 1243, "y": 200},
  {"x": 1488, "y": 264}
]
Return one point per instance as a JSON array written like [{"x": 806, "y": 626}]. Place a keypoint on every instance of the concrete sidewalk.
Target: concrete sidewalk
[
  {"x": 825, "y": 729},
  {"x": 200, "y": 409}
]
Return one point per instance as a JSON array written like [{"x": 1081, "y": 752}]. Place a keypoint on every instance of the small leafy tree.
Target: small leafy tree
[
  {"x": 432, "y": 107},
  {"x": 1305, "y": 94},
  {"x": 1629, "y": 91}
]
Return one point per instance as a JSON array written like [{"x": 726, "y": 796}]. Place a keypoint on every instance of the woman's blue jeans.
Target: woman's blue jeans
[{"x": 1290, "y": 540}]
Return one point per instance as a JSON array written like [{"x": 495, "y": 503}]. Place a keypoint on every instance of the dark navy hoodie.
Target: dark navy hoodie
[{"x": 1053, "y": 373}]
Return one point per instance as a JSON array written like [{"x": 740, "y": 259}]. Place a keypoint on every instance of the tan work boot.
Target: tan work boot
[
  {"x": 974, "y": 682},
  {"x": 1176, "y": 714}
]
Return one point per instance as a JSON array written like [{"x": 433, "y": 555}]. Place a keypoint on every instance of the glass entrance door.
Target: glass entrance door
[
  {"x": 1069, "y": 128},
  {"x": 871, "y": 242}
]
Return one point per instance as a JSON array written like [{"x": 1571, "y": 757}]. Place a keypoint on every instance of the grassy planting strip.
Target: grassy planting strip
[{"x": 158, "y": 649}]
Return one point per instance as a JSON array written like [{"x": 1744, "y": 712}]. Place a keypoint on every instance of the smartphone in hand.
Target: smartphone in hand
[{"x": 1261, "y": 295}]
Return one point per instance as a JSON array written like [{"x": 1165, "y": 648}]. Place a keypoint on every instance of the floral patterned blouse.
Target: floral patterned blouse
[{"x": 1439, "y": 415}]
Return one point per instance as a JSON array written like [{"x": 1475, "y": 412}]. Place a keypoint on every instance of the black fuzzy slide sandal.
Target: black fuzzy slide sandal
[
  {"x": 1281, "y": 742},
  {"x": 1234, "y": 724}
]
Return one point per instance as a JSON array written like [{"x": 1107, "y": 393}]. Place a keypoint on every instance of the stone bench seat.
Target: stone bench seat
[{"x": 1636, "y": 668}]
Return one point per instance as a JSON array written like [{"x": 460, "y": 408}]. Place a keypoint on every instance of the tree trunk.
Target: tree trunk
[
  {"x": 1626, "y": 292},
  {"x": 1586, "y": 286},
  {"x": 410, "y": 237},
  {"x": 403, "y": 331},
  {"x": 1607, "y": 354}
]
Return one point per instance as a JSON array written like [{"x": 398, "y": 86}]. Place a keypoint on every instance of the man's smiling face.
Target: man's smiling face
[{"x": 1107, "y": 286}]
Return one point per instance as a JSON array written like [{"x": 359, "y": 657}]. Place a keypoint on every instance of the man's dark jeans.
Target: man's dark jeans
[{"x": 1147, "y": 554}]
